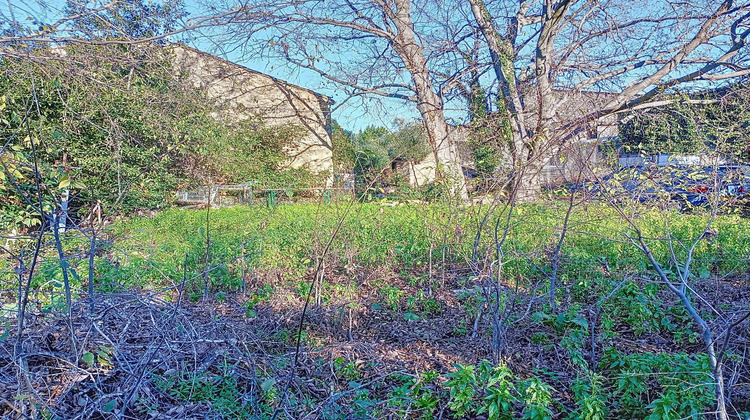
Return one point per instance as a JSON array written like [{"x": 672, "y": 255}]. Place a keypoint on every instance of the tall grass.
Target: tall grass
[
  {"x": 403, "y": 237},
  {"x": 152, "y": 251}
]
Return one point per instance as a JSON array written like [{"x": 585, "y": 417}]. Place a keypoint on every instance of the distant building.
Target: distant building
[
  {"x": 424, "y": 172},
  {"x": 576, "y": 159},
  {"x": 571, "y": 161},
  {"x": 243, "y": 93}
]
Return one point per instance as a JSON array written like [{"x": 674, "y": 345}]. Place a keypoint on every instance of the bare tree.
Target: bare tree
[
  {"x": 424, "y": 51},
  {"x": 97, "y": 23},
  {"x": 379, "y": 48},
  {"x": 542, "y": 51}
]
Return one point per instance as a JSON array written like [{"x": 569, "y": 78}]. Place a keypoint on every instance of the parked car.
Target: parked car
[
  {"x": 700, "y": 186},
  {"x": 672, "y": 186}
]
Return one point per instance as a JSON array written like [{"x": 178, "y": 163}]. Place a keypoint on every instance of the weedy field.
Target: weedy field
[{"x": 370, "y": 311}]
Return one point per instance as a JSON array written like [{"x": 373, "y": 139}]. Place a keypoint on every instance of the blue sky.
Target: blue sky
[
  {"x": 358, "y": 113},
  {"x": 353, "y": 115}
]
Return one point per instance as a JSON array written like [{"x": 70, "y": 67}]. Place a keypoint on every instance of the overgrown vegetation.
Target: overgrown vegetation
[
  {"x": 374, "y": 305},
  {"x": 374, "y": 236},
  {"x": 115, "y": 126},
  {"x": 614, "y": 346},
  {"x": 380, "y": 156},
  {"x": 709, "y": 122}
]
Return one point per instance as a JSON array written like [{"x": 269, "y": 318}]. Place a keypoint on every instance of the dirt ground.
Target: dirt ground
[{"x": 106, "y": 368}]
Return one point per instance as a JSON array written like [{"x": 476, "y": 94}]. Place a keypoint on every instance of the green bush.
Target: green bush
[
  {"x": 658, "y": 385},
  {"x": 496, "y": 392},
  {"x": 122, "y": 131}
]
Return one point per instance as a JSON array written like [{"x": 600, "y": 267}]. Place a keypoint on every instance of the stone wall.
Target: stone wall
[
  {"x": 425, "y": 171},
  {"x": 243, "y": 93}
]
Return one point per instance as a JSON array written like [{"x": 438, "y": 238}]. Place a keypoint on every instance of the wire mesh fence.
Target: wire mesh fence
[{"x": 252, "y": 194}]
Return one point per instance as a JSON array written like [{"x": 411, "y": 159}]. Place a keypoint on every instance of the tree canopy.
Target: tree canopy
[{"x": 521, "y": 53}]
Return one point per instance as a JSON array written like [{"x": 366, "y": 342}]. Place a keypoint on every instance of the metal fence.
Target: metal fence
[{"x": 253, "y": 194}]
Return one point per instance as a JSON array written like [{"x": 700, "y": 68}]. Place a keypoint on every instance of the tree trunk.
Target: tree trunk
[
  {"x": 528, "y": 183},
  {"x": 430, "y": 104},
  {"x": 526, "y": 175},
  {"x": 530, "y": 147},
  {"x": 444, "y": 149}
]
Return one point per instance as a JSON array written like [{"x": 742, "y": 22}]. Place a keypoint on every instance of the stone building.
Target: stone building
[
  {"x": 243, "y": 93},
  {"x": 570, "y": 161},
  {"x": 577, "y": 159}
]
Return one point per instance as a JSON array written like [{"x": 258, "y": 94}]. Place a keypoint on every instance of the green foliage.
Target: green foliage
[
  {"x": 151, "y": 251},
  {"x": 344, "y": 151},
  {"x": 659, "y": 385},
  {"x": 392, "y": 296},
  {"x": 222, "y": 391},
  {"x": 590, "y": 397},
  {"x": 130, "y": 20},
  {"x": 375, "y": 236},
  {"x": 494, "y": 390},
  {"x": 371, "y": 153},
  {"x": 421, "y": 303},
  {"x": 489, "y": 133},
  {"x": 668, "y": 130},
  {"x": 261, "y": 295},
  {"x": 639, "y": 306},
  {"x": 719, "y": 125},
  {"x": 409, "y": 141},
  {"x": 500, "y": 398},
  {"x": 349, "y": 370},
  {"x": 573, "y": 329},
  {"x": 123, "y": 131},
  {"x": 249, "y": 152},
  {"x": 377, "y": 147},
  {"x": 486, "y": 159},
  {"x": 416, "y": 397},
  {"x": 537, "y": 396},
  {"x": 464, "y": 390}
]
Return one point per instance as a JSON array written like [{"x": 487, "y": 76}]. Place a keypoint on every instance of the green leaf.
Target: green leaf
[
  {"x": 539, "y": 317},
  {"x": 409, "y": 316},
  {"x": 64, "y": 182},
  {"x": 102, "y": 355},
  {"x": 492, "y": 413},
  {"x": 88, "y": 357},
  {"x": 108, "y": 407},
  {"x": 580, "y": 321}
]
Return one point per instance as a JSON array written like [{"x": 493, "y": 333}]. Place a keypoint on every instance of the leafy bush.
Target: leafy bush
[
  {"x": 494, "y": 390},
  {"x": 659, "y": 385},
  {"x": 125, "y": 132},
  {"x": 416, "y": 397},
  {"x": 590, "y": 397}
]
